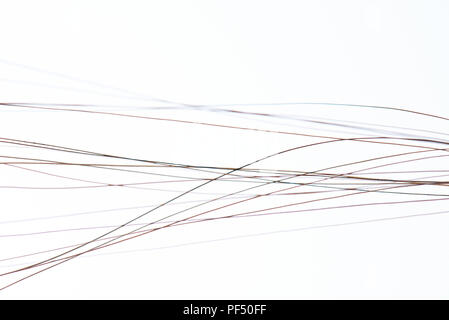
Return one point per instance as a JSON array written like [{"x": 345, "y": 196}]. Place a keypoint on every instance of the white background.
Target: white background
[{"x": 390, "y": 53}]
